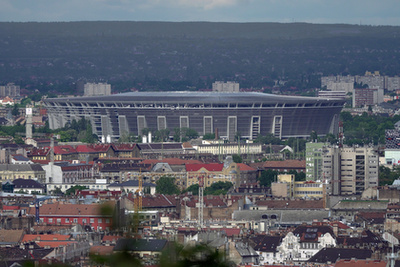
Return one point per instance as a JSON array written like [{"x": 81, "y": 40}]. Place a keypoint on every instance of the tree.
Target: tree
[
  {"x": 15, "y": 111},
  {"x": 209, "y": 136},
  {"x": 387, "y": 176},
  {"x": 199, "y": 255},
  {"x": 218, "y": 188},
  {"x": 194, "y": 189},
  {"x": 185, "y": 134},
  {"x": 57, "y": 191},
  {"x": 73, "y": 189},
  {"x": 166, "y": 185},
  {"x": 267, "y": 177},
  {"x": 237, "y": 158}
]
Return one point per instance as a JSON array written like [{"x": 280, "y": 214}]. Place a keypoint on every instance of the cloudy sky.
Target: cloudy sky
[{"x": 366, "y": 12}]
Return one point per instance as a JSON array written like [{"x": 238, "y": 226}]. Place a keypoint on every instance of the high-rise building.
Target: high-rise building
[
  {"x": 350, "y": 170},
  {"x": 367, "y": 97},
  {"x": 341, "y": 86},
  {"x": 96, "y": 89},
  {"x": 314, "y": 153},
  {"x": 231, "y": 87},
  {"x": 10, "y": 90}
]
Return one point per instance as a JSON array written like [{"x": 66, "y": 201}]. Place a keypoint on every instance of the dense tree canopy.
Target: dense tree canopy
[{"x": 166, "y": 185}]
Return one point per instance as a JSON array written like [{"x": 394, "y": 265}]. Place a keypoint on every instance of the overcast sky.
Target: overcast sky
[{"x": 366, "y": 12}]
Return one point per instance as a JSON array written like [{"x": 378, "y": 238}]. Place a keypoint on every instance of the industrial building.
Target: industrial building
[{"x": 225, "y": 114}]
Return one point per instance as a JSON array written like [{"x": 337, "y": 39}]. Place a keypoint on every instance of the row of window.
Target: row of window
[{"x": 75, "y": 220}]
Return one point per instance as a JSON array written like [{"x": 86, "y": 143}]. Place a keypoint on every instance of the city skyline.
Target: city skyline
[{"x": 366, "y": 12}]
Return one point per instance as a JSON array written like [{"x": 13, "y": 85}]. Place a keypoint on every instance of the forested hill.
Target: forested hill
[
  {"x": 191, "y": 55},
  {"x": 265, "y": 30}
]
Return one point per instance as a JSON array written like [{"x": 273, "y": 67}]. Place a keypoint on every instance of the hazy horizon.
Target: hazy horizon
[{"x": 356, "y": 12}]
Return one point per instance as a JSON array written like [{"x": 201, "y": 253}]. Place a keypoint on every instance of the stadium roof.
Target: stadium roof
[{"x": 194, "y": 97}]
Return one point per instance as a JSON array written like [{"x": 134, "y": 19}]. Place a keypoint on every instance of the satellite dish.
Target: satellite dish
[{"x": 390, "y": 238}]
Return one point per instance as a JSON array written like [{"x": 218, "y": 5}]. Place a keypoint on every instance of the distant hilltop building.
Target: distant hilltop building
[
  {"x": 372, "y": 79},
  {"x": 340, "y": 86},
  {"x": 96, "y": 89},
  {"x": 10, "y": 90},
  {"x": 231, "y": 87}
]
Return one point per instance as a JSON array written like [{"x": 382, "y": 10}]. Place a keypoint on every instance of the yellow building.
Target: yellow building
[
  {"x": 286, "y": 186},
  {"x": 212, "y": 173}
]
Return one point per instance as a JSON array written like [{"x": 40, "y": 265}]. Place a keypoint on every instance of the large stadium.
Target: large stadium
[{"x": 228, "y": 114}]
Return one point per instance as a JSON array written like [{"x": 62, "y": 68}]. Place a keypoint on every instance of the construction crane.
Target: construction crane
[
  {"x": 201, "y": 199},
  {"x": 139, "y": 194}
]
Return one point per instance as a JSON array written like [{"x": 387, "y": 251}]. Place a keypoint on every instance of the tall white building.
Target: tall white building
[
  {"x": 231, "y": 87},
  {"x": 340, "y": 86},
  {"x": 95, "y": 89},
  {"x": 10, "y": 90},
  {"x": 350, "y": 170}
]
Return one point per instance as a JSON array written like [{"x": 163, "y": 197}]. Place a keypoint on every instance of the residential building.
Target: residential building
[
  {"x": 132, "y": 186},
  {"x": 229, "y": 149},
  {"x": 367, "y": 97},
  {"x": 350, "y": 170},
  {"x": 286, "y": 186},
  {"x": 314, "y": 154},
  {"x": 392, "y": 146},
  {"x": 22, "y": 171},
  {"x": 28, "y": 186},
  {"x": 230, "y": 87},
  {"x": 10, "y": 90},
  {"x": 212, "y": 173},
  {"x": 60, "y": 213},
  {"x": 96, "y": 89},
  {"x": 332, "y": 94},
  {"x": 346, "y": 87},
  {"x": 305, "y": 241},
  {"x": 285, "y": 165}
]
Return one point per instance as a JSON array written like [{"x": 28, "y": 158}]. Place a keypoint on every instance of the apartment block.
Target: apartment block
[
  {"x": 96, "y": 89},
  {"x": 367, "y": 96},
  {"x": 9, "y": 90},
  {"x": 350, "y": 170},
  {"x": 314, "y": 153},
  {"x": 230, "y": 87}
]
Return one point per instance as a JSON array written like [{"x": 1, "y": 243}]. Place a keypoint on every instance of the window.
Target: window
[
  {"x": 75, "y": 220},
  {"x": 50, "y": 220},
  {"x": 58, "y": 220},
  {"x": 99, "y": 220},
  {"x": 83, "y": 220},
  {"x": 107, "y": 220},
  {"x": 91, "y": 220},
  {"x": 67, "y": 220}
]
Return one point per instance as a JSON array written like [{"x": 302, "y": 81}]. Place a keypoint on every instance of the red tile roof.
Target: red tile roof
[
  {"x": 360, "y": 263},
  {"x": 160, "y": 201},
  {"x": 244, "y": 167},
  {"x": 229, "y": 231},
  {"x": 64, "y": 150},
  {"x": 126, "y": 147},
  {"x": 51, "y": 237},
  {"x": 212, "y": 167},
  {"x": 85, "y": 149},
  {"x": 101, "y": 250},
  {"x": 54, "y": 244},
  {"x": 171, "y": 161},
  {"x": 59, "y": 209},
  {"x": 100, "y": 147}
]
